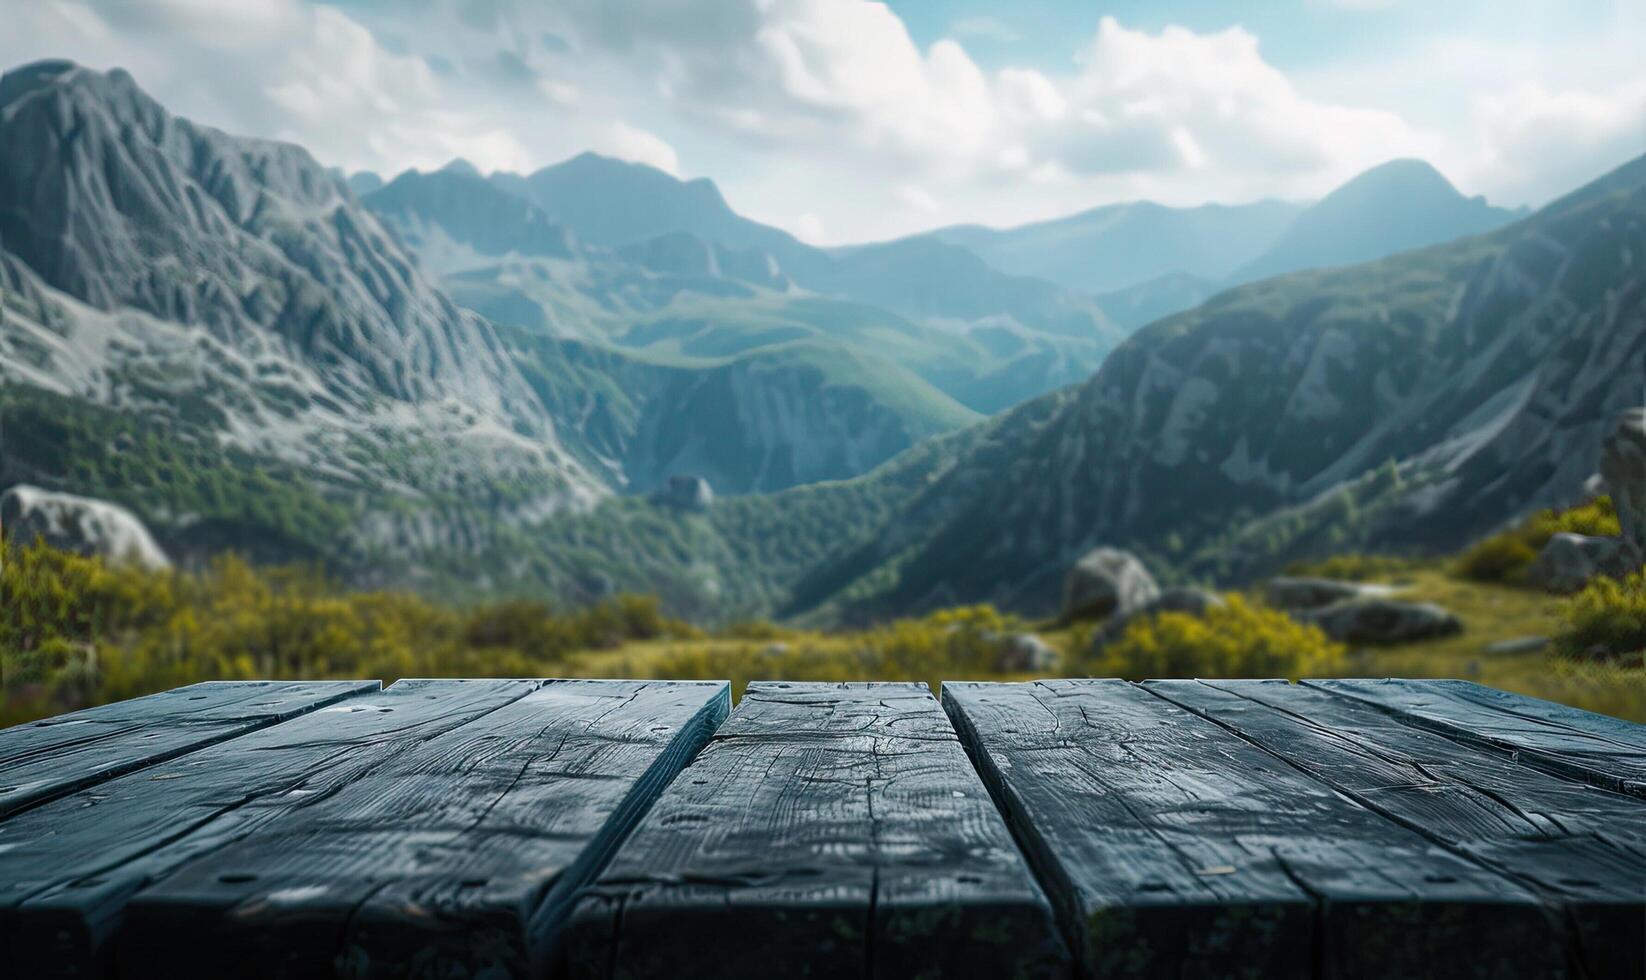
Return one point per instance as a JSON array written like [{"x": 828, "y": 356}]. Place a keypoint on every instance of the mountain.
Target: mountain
[
  {"x": 231, "y": 300},
  {"x": 1122, "y": 245},
  {"x": 465, "y": 209},
  {"x": 363, "y": 182},
  {"x": 1399, "y": 205},
  {"x": 779, "y": 416},
  {"x": 614, "y": 202},
  {"x": 1155, "y": 298},
  {"x": 1411, "y": 403},
  {"x": 985, "y": 339}
]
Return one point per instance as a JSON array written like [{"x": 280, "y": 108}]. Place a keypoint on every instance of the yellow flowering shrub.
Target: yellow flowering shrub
[{"x": 1240, "y": 639}]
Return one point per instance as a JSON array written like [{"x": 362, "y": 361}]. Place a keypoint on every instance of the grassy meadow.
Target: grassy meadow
[{"x": 76, "y": 632}]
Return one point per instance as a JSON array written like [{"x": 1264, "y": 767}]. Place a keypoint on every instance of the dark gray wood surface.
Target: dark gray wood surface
[
  {"x": 456, "y": 857},
  {"x": 1605, "y": 751},
  {"x": 828, "y": 830},
  {"x": 1582, "y": 848},
  {"x": 498, "y": 828},
  {"x": 1175, "y": 848},
  {"x": 47, "y": 758},
  {"x": 68, "y": 867}
]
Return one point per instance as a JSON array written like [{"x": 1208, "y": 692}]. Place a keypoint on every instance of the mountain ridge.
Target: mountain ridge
[
  {"x": 1393, "y": 207},
  {"x": 1408, "y": 403}
]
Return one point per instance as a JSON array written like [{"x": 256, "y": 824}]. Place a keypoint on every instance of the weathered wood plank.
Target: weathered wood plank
[
  {"x": 1582, "y": 848},
  {"x": 828, "y": 830},
  {"x": 1604, "y": 751},
  {"x": 68, "y": 867},
  {"x": 48, "y": 758},
  {"x": 457, "y": 858},
  {"x": 1174, "y": 848}
]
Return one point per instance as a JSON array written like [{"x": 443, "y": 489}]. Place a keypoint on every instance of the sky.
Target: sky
[{"x": 842, "y": 120}]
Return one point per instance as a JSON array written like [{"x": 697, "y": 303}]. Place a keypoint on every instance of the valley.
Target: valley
[{"x": 484, "y": 385}]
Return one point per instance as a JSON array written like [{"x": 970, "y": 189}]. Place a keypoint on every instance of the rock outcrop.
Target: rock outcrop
[
  {"x": 1312, "y": 593},
  {"x": 686, "y": 493},
  {"x": 1107, "y": 581},
  {"x": 1025, "y": 653},
  {"x": 1569, "y": 561},
  {"x": 1381, "y": 621},
  {"x": 1623, "y": 467},
  {"x": 83, "y": 525}
]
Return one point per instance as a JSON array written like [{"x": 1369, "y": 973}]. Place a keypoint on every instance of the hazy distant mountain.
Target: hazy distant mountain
[
  {"x": 1414, "y": 402},
  {"x": 1390, "y": 208},
  {"x": 987, "y": 339},
  {"x": 1122, "y": 245},
  {"x": 1161, "y": 296},
  {"x": 929, "y": 278},
  {"x": 614, "y": 202},
  {"x": 363, "y": 182},
  {"x": 461, "y": 167},
  {"x": 469, "y": 210}
]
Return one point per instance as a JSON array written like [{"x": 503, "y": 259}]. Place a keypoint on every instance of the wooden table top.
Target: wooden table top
[{"x": 617, "y": 829}]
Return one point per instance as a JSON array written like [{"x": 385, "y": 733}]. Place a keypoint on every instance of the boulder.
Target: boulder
[
  {"x": 1104, "y": 582},
  {"x": 83, "y": 525},
  {"x": 1023, "y": 653},
  {"x": 1312, "y": 593},
  {"x": 1569, "y": 561},
  {"x": 1193, "y": 601},
  {"x": 1380, "y": 621},
  {"x": 686, "y": 493},
  {"x": 1623, "y": 467}
]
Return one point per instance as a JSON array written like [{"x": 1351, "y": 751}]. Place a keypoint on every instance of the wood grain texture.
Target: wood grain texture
[
  {"x": 1583, "y": 849},
  {"x": 1601, "y": 750},
  {"x": 69, "y": 867},
  {"x": 1174, "y": 848},
  {"x": 827, "y": 830},
  {"x": 453, "y": 859},
  {"x": 45, "y": 759}
]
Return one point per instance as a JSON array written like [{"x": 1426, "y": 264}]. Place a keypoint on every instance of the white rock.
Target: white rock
[
  {"x": 1623, "y": 467},
  {"x": 1025, "y": 653},
  {"x": 1569, "y": 561},
  {"x": 83, "y": 525},
  {"x": 1107, "y": 581}
]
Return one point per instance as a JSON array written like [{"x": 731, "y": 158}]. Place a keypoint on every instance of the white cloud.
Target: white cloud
[
  {"x": 802, "y": 108},
  {"x": 1571, "y": 134},
  {"x": 918, "y": 197},
  {"x": 631, "y": 143},
  {"x": 282, "y": 69},
  {"x": 809, "y": 227}
]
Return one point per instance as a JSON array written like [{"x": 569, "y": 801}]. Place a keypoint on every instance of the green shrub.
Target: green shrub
[
  {"x": 1238, "y": 640},
  {"x": 1607, "y": 620},
  {"x": 75, "y": 631},
  {"x": 1500, "y": 558},
  {"x": 1505, "y": 557},
  {"x": 954, "y": 644},
  {"x": 1598, "y": 517}
]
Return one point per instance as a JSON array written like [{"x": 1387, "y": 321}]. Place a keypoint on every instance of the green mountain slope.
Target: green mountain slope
[{"x": 1409, "y": 403}]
